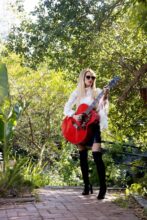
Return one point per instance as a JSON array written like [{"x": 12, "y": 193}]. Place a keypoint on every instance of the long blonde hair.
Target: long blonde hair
[{"x": 81, "y": 84}]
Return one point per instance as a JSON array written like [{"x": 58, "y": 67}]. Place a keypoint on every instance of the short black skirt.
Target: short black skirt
[{"x": 96, "y": 138}]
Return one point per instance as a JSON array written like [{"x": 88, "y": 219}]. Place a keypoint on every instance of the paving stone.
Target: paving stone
[
  {"x": 2, "y": 213},
  {"x": 66, "y": 218},
  {"x": 66, "y": 204},
  {"x": 19, "y": 218},
  {"x": 3, "y": 218},
  {"x": 11, "y": 213},
  {"x": 99, "y": 218},
  {"x": 82, "y": 218},
  {"x": 34, "y": 218}
]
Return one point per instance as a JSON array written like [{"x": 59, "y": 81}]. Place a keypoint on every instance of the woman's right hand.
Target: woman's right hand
[{"x": 78, "y": 117}]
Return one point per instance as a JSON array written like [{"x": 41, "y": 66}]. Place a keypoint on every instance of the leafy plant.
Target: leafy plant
[
  {"x": 8, "y": 114},
  {"x": 137, "y": 189},
  {"x": 22, "y": 178}
]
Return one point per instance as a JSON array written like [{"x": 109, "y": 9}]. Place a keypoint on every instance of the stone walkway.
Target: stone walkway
[{"x": 66, "y": 204}]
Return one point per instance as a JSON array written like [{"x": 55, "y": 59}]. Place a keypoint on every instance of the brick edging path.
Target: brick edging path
[{"x": 66, "y": 204}]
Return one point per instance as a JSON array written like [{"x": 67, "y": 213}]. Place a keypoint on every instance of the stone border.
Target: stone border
[
  {"x": 5, "y": 201},
  {"x": 142, "y": 202},
  {"x": 81, "y": 187}
]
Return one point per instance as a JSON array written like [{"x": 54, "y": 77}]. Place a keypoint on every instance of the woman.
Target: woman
[{"x": 85, "y": 93}]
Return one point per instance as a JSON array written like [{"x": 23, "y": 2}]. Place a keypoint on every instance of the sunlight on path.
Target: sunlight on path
[{"x": 66, "y": 204}]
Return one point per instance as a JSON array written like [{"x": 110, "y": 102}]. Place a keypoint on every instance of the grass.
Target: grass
[{"x": 129, "y": 202}]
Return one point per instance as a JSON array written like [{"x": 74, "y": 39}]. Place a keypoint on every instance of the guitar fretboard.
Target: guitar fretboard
[
  {"x": 110, "y": 85},
  {"x": 94, "y": 103}
]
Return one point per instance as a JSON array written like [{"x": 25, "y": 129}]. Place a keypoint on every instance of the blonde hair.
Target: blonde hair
[{"x": 81, "y": 84}]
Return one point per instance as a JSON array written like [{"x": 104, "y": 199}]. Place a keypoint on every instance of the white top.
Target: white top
[{"x": 88, "y": 99}]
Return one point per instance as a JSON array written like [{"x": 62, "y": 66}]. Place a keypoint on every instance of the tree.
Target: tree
[
  {"x": 69, "y": 37},
  {"x": 138, "y": 14},
  {"x": 63, "y": 33}
]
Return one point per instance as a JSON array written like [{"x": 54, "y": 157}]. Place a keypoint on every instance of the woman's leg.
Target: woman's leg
[
  {"x": 97, "y": 155},
  {"x": 84, "y": 169}
]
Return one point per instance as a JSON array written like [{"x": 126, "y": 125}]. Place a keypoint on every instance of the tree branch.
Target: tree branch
[
  {"x": 31, "y": 133},
  {"x": 138, "y": 74}
]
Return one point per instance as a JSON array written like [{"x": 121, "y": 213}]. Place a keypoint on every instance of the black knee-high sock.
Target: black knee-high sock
[
  {"x": 100, "y": 168},
  {"x": 84, "y": 166}
]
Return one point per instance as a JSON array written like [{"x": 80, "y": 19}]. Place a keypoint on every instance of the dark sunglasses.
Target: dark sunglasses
[{"x": 90, "y": 77}]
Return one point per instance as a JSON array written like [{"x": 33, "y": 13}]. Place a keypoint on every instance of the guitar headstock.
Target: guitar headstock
[{"x": 113, "y": 82}]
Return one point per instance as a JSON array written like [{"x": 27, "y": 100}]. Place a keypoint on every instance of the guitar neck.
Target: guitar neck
[
  {"x": 89, "y": 109},
  {"x": 110, "y": 85}
]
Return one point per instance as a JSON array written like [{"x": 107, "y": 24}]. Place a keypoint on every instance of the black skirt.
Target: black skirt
[{"x": 96, "y": 137}]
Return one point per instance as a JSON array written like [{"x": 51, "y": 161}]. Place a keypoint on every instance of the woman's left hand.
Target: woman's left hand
[{"x": 106, "y": 92}]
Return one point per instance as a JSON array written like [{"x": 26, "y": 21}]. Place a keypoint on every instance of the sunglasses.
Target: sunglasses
[{"x": 90, "y": 77}]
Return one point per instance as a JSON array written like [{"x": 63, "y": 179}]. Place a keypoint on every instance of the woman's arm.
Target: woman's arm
[
  {"x": 68, "y": 111},
  {"x": 103, "y": 102},
  {"x": 103, "y": 108},
  {"x": 106, "y": 93}
]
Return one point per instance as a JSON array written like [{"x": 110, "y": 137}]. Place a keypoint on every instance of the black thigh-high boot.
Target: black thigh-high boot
[
  {"x": 101, "y": 173},
  {"x": 85, "y": 171}
]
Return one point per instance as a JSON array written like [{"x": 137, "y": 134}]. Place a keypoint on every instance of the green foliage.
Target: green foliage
[
  {"x": 46, "y": 91},
  {"x": 1, "y": 128},
  {"x": 21, "y": 178},
  {"x": 66, "y": 171},
  {"x": 38, "y": 133},
  {"x": 9, "y": 114},
  {"x": 65, "y": 37},
  {"x": 12, "y": 181},
  {"x": 63, "y": 32},
  {"x": 138, "y": 14},
  {"x": 136, "y": 189},
  {"x": 4, "y": 87},
  {"x": 74, "y": 35}
]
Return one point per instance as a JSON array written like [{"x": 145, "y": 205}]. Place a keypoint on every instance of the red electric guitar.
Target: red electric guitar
[{"x": 79, "y": 132}]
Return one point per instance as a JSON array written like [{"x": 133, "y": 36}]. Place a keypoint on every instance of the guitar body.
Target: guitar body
[{"x": 79, "y": 132}]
